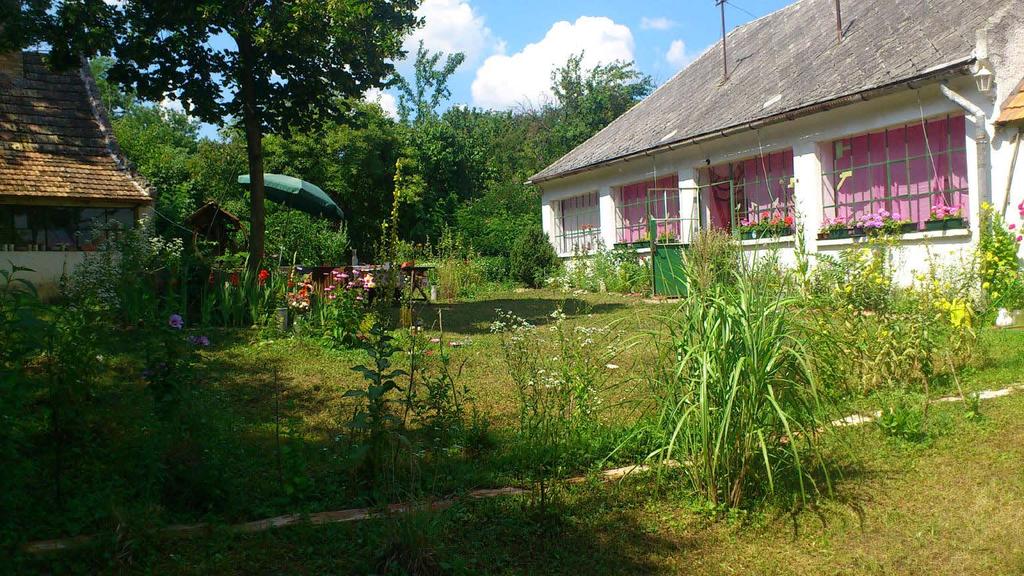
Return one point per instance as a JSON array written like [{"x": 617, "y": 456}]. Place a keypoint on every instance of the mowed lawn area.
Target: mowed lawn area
[{"x": 948, "y": 504}]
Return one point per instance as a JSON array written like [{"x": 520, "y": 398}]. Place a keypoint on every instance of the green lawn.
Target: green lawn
[{"x": 951, "y": 505}]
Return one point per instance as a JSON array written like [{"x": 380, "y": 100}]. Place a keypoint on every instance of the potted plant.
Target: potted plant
[
  {"x": 747, "y": 229},
  {"x": 666, "y": 237},
  {"x": 833, "y": 228},
  {"x": 945, "y": 218}
]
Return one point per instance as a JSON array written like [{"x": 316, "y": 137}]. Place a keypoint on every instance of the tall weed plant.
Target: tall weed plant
[
  {"x": 561, "y": 385},
  {"x": 740, "y": 405}
]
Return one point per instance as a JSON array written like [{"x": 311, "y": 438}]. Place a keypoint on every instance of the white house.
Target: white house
[
  {"x": 63, "y": 181},
  {"x": 899, "y": 114}
]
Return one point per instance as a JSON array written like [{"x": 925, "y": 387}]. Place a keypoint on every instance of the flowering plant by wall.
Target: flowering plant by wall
[
  {"x": 942, "y": 212},
  {"x": 998, "y": 246}
]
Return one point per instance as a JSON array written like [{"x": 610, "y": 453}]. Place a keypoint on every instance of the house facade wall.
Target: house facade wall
[
  {"x": 810, "y": 138},
  {"x": 46, "y": 268}
]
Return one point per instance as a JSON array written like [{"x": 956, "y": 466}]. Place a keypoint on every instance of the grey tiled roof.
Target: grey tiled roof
[{"x": 790, "y": 60}]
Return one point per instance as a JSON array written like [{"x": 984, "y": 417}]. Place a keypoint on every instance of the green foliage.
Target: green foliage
[
  {"x": 1000, "y": 267},
  {"x": 298, "y": 237},
  {"x": 713, "y": 257},
  {"x": 240, "y": 296},
  {"x": 904, "y": 417},
  {"x": 617, "y": 270},
  {"x": 418, "y": 101},
  {"x": 739, "y": 400},
  {"x": 133, "y": 274},
  {"x": 559, "y": 397},
  {"x": 458, "y": 270},
  {"x": 590, "y": 100},
  {"x": 412, "y": 544},
  {"x": 860, "y": 279},
  {"x": 533, "y": 259},
  {"x": 374, "y": 422}
]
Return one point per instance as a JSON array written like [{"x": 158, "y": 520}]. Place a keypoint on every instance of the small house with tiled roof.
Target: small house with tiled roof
[
  {"x": 808, "y": 118},
  {"x": 64, "y": 184}
]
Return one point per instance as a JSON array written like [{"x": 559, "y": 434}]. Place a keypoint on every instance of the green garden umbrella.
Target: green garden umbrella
[{"x": 298, "y": 194}]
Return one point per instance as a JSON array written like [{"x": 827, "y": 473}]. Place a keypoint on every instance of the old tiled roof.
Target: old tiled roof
[
  {"x": 790, "y": 61},
  {"x": 55, "y": 142},
  {"x": 1013, "y": 107}
]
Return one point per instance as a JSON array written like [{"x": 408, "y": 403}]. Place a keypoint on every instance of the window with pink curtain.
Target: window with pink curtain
[
  {"x": 903, "y": 172},
  {"x": 637, "y": 204},
  {"x": 748, "y": 189},
  {"x": 578, "y": 223}
]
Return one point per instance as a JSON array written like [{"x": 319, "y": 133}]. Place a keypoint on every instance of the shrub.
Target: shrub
[
  {"x": 128, "y": 275},
  {"x": 859, "y": 279},
  {"x": 1000, "y": 269},
  {"x": 618, "y": 270},
  {"x": 533, "y": 259},
  {"x": 739, "y": 401},
  {"x": 298, "y": 237}
]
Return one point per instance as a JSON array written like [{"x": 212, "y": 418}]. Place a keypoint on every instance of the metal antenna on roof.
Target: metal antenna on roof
[
  {"x": 725, "y": 60},
  {"x": 839, "y": 22}
]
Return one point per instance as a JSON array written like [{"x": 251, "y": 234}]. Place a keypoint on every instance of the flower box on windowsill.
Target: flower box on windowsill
[
  {"x": 758, "y": 234},
  {"x": 945, "y": 224},
  {"x": 908, "y": 228},
  {"x": 835, "y": 234},
  {"x": 640, "y": 244}
]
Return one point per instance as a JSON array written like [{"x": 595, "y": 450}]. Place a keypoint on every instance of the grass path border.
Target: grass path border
[{"x": 359, "y": 514}]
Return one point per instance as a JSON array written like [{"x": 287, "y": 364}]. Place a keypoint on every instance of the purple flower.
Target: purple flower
[
  {"x": 175, "y": 321},
  {"x": 199, "y": 341}
]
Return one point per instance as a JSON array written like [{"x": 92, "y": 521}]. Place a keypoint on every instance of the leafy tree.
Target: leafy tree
[
  {"x": 419, "y": 101},
  {"x": 589, "y": 100},
  {"x": 273, "y": 66}
]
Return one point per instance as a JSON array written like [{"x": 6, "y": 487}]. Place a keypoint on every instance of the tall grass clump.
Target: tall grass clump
[{"x": 739, "y": 402}]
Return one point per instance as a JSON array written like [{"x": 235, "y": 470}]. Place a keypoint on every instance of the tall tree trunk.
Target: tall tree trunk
[{"x": 254, "y": 147}]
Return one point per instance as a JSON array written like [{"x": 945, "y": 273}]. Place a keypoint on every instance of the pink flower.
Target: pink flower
[
  {"x": 1013, "y": 226},
  {"x": 435, "y": 340},
  {"x": 1019, "y": 238}
]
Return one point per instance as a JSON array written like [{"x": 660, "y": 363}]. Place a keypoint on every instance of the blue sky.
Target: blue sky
[{"x": 511, "y": 46}]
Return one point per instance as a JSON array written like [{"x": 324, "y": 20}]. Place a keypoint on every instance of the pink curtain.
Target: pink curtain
[
  {"x": 635, "y": 200},
  {"x": 904, "y": 170}
]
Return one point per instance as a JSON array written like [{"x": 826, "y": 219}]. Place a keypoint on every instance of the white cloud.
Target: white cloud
[
  {"x": 676, "y": 55},
  {"x": 386, "y": 101},
  {"x": 660, "y": 23},
  {"x": 525, "y": 77},
  {"x": 453, "y": 26}
]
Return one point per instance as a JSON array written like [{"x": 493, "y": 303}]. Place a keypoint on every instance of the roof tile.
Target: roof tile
[{"x": 53, "y": 143}]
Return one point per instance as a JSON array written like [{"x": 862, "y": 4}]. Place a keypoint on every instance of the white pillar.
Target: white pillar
[
  {"x": 547, "y": 219},
  {"x": 689, "y": 204},
  {"x": 807, "y": 190},
  {"x": 606, "y": 203}
]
